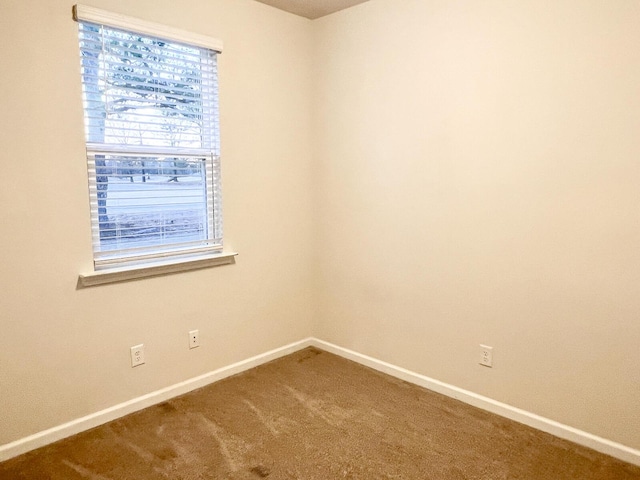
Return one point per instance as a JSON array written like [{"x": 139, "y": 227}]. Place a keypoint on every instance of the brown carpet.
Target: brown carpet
[{"x": 313, "y": 415}]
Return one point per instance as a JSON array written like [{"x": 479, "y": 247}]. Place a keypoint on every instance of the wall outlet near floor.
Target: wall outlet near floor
[
  {"x": 137, "y": 355},
  {"x": 194, "y": 338},
  {"x": 486, "y": 355}
]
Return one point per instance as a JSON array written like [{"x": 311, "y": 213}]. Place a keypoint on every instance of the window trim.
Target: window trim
[
  {"x": 155, "y": 269},
  {"x": 84, "y": 13}
]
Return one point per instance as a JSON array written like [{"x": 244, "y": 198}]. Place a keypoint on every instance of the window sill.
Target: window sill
[{"x": 115, "y": 275}]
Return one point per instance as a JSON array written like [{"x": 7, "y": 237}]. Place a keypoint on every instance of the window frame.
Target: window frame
[{"x": 164, "y": 260}]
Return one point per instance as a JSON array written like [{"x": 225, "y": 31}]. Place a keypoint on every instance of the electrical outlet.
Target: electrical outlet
[
  {"x": 137, "y": 355},
  {"x": 486, "y": 355},
  {"x": 194, "y": 338}
]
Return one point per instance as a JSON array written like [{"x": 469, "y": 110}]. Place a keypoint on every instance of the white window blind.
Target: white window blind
[{"x": 152, "y": 136}]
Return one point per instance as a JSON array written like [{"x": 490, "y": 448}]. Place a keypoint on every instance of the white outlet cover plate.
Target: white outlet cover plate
[
  {"x": 137, "y": 355},
  {"x": 194, "y": 338},
  {"x": 486, "y": 355}
]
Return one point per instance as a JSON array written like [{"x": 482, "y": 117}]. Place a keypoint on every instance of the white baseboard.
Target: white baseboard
[
  {"x": 73, "y": 427},
  {"x": 575, "y": 435},
  {"x": 538, "y": 422}
]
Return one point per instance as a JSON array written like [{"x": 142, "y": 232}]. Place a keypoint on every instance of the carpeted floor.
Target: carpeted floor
[{"x": 313, "y": 415}]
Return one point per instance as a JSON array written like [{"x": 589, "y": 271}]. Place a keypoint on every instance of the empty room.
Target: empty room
[{"x": 320, "y": 239}]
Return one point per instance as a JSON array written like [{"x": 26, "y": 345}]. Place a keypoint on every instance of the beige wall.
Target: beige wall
[
  {"x": 64, "y": 353},
  {"x": 407, "y": 179},
  {"x": 480, "y": 170}
]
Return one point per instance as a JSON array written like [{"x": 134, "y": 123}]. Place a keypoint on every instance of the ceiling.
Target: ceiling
[{"x": 312, "y": 8}]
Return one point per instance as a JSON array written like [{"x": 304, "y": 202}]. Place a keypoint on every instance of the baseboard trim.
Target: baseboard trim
[
  {"x": 602, "y": 445},
  {"x": 87, "y": 422},
  {"x": 538, "y": 422}
]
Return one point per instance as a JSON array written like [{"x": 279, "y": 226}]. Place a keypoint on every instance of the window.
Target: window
[{"x": 150, "y": 97}]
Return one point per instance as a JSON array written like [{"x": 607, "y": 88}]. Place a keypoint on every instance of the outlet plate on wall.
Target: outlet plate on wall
[
  {"x": 137, "y": 355},
  {"x": 194, "y": 338},
  {"x": 486, "y": 356}
]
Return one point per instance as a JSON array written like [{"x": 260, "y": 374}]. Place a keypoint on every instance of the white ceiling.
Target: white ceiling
[{"x": 312, "y": 8}]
